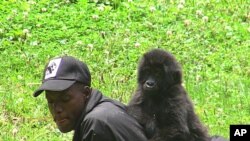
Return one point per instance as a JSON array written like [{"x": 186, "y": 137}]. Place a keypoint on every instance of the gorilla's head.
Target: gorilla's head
[{"x": 158, "y": 70}]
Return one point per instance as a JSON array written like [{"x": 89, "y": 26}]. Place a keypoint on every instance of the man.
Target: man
[{"x": 74, "y": 105}]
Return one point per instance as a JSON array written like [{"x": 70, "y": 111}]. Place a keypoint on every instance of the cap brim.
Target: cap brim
[{"x": 54, "y": 85}]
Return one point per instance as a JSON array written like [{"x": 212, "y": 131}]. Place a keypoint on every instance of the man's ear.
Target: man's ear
[{"x": 87, "y": 91}]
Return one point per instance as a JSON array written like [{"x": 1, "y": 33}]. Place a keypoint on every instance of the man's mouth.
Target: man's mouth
[{"x": 61, "y": 121}]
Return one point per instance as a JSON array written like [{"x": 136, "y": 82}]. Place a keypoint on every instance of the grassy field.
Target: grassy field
[{"x": 210, "y": 38}]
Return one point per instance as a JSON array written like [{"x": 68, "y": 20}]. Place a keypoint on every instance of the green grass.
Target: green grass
[{"x": 211, "y": 39}]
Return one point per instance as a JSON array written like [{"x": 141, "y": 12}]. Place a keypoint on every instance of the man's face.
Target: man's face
[{"x": 66, "y": 106}]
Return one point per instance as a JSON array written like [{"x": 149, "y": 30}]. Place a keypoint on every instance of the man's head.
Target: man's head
[
  {"x": 67, "y": 106},
  {"x": 66, "y": 82}
]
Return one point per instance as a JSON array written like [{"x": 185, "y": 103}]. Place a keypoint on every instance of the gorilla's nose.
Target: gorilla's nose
[{"x": 150, "y": 84}]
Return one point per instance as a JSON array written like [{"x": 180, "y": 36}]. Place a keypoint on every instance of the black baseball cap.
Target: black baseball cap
[{"x": 61, "y": 73}]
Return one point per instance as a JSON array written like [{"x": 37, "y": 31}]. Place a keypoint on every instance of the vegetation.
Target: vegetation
[{"x": 210, "y": 38}]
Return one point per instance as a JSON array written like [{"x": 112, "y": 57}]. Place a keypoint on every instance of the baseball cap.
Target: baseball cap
[{"x": 61, "y": 73}]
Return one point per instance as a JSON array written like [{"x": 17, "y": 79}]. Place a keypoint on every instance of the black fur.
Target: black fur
[
  {"x": 218, "y": 138},
  {"x": 161, "y": 103}
]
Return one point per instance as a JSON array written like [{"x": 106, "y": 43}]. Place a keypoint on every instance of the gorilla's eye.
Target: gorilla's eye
[
  {"x": 159, "y": 73},
  {"x": 145, "y": 73}
]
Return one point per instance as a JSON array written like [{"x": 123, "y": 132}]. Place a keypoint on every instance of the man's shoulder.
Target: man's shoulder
[
  {"x": 106, "y": 110},
  {"x": 110, "y": 119}
]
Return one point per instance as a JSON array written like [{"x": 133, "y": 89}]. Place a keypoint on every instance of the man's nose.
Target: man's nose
[{"x": 57, "y": 107}]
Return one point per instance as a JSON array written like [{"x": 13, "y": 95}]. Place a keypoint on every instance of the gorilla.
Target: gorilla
[{"x": 161, "y": 104}]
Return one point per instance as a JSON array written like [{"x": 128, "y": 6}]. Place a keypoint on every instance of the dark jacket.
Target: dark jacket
[{"x": 104, "y": 119}]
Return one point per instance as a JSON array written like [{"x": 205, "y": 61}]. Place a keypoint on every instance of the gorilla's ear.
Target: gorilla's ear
[
  {"x": 177, "y": 76},
  {"x": 174, "y": 74}
]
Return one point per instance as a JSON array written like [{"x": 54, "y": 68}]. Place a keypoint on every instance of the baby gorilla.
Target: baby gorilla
[{"x": 161, "y": 103}]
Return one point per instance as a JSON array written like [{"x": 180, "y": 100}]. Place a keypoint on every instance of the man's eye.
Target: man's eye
[
  {"x": 50, "y": 102},
  {"x": 65, "y": 98}
]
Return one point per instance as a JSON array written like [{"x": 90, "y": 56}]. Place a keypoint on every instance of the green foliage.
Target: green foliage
[{"x": 209, "y": 38}]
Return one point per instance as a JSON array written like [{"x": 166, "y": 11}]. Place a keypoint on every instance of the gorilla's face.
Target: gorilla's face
[
  {"x": 157, "y": 73},
  {"x": 151, "y": 79}
]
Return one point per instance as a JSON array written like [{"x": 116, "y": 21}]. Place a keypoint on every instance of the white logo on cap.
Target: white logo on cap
[{"x": 52, "y": 68}]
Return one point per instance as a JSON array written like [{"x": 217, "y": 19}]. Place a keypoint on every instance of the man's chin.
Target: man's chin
[{"x": 64, "y": 130}]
